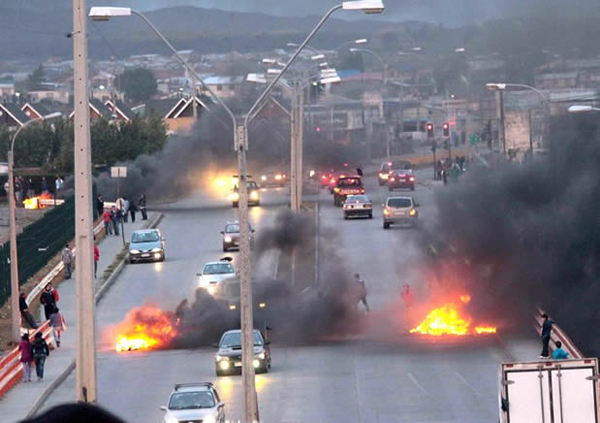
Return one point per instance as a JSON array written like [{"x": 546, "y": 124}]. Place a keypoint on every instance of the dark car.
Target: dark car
[
  {"x": 229, "y": 357},
  {"x": 345, "y": 186},
  {"x": 358, "y": 206},
  {"x": 273, "y": 177},
  {"x": 253, "y": 195},
  {"x": 387, "y": 167},
  {"x": 401, "y": 179}
]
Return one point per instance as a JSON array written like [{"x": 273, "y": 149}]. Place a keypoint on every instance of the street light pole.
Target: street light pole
[
  {"x": 84, "y": 260},
  {"x": 502, "y": 128},
  {"x": 12, "y": 222}
]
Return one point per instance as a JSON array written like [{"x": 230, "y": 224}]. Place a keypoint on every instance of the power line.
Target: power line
[{"x": 108, "y": 44}]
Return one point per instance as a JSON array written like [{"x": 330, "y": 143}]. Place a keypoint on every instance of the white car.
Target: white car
[
  {"x": 194, "y": 402},
  {"x": 214, "y": 273}
]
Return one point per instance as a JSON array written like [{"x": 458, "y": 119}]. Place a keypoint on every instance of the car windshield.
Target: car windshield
[
  {"x": 190, "y": 400},
  {"x": 140, "y": 237},
  {"x": 349, "y": 182},
  {"x": 401, "y": 165},
  {"x": 252, "y": 185},
  {"x": 234, "y": 228},
  {"x": 357, "y": 199},
  {"x": 234, "y": 339},
  {"x": 218, "y": 269},
  {"x": 399, "y": 203}
]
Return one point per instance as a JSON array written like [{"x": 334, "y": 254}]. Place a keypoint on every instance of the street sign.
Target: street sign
[{"x": 118, "y": 172}]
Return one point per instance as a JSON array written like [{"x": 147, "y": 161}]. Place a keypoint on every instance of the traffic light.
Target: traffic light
[
  {"x": 446, "y": 129},
  {"x": 429, "y": 128}
]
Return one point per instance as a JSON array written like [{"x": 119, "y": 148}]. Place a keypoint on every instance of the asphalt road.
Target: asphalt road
[{"x": 380, "y": 375}]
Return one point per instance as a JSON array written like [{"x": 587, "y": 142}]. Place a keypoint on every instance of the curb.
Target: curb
[{"x": 98, "y": 297}]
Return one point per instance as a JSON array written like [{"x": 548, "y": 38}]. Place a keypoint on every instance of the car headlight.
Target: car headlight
[
  {"x": 261, "y": 356},
  {"x": 222, "y": 358},
  {"x": 412, "y": 212},
  {"x": 157, "y": 250},
  {"x": 211, "y": 290},
  {"x": 278, "y": 177},
  {"x": 209, "y": 419},
  {"x": 228, "y": 239},
  {"x": 235, "y": 196},
  {"x": 134, "y": 251},
  {"x": 263, "y": 178},
  {"x": 254, "y": 195},
  {"x": 171, "y": 419}
]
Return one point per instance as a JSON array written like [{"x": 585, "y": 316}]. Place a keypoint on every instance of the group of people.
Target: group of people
[
  {"x": 37, "y": 351},
  {"x": 119, "y": 213},
  {"x": 449, "y": 168},
  {"x": 26, "y": 188}
]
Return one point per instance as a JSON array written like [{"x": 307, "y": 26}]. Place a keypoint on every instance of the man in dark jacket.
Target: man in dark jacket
[
  {"x": 40, "y": 350},
  {"x": 142, "y": 204},
  {"x": 132, "y": 210},
  {"x": 48, "y": 299},
  {"x": 100, "y": 205},
  {"x": 25, "y": 311},
  {"x": 546, "y": 331}
]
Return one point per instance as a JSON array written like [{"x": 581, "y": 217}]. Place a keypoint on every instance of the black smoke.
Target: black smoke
[{"x": 521, "y": 236}]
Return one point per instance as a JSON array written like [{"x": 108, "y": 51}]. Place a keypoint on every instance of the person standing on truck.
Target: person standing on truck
[
  {"x": 546, "y": 330},
  {"x": 559, "y": 353}
]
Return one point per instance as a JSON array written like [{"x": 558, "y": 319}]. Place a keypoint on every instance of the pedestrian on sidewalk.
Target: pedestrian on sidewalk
[
  {"x": 142, "y": 204},
  {"x": 100, "y": 205},
  {"x": 44, "y": 185},
  {"x": 58, "y": 185},
  {"x": 67, "y": 259},
  {"x": 30, "y": 188},
  {"x": 25, "y": 314},
  {"x": 116, "y": 220},
  {"x": 132, "y": 210},
  {"x": 408, "y": 299},
  {"x": 26, "y": 357},
  {"x": 546, "y": 331},
  {"x": 40, "y": 351},
  {"x": 125, "y": 209},
  {"x": 107, "y": 219},
  {"x": 96, "y": 258},
  {"x": 49, "y": 298},
  {"x": 57, "y": 321}
]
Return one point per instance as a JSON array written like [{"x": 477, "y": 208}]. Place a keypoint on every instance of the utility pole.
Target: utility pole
[
  {"x": 293, "y": 150},
  {"x": 299, "y": 147},
  {"x": 247, "y": 320},
  {"x": 14, "y": 260},
  {"x": 84, "y": 275}
]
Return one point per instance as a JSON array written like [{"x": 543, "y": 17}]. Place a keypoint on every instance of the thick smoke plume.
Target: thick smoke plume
[{"x": 523, "y": 236}]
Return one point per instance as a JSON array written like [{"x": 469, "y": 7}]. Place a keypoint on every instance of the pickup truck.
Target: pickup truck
[
  {"x": 345, "y": 186},
  {"x": 550, "y": 391}
]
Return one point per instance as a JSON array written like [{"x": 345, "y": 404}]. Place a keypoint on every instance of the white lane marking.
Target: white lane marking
[
  {"x": 417, "y": 384},
  {"x": 467, "y": 384}
]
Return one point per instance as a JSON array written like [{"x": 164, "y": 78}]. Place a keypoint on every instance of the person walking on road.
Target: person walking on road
[
  {"x": 40, "y": 350},
  {"x": 26, "y": 357},
  {"x": 49, "y": 298},
  {"x": 546, "y": 331},
  {"x": 100, "y": 205},
  {"x": 132, "y": 210},
  {"x": 67, "y": 259},
  {"x": 107, "y": 220},
  {"x": 25, "y": 314},
  {"x": 407, "y": 297},
  {"x": 363, "y": 293},
  {"x": 559, "y": 353},
  {"x": 142, "y": 204},
  {"x": 57, "y": 321},
  {"x": 96, "y": 258}
]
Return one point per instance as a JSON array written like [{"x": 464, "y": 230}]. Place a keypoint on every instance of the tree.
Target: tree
[
  {"x": 35, "y": 79},
  {"x": 138, "y": 84}
]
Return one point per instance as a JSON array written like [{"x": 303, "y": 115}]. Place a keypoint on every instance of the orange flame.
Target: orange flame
[
  {"x": 32, "y": 203},
  {"x": 446, "y": 320},
  {"x": 145, "y": 327}
]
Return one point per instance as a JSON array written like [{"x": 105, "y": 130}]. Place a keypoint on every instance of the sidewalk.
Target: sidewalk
[{"x": 17, "y": 403}]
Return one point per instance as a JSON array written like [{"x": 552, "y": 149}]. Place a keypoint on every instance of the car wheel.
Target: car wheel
[
  {"x": 219, "y": 372},
  {"x": 412, "y": 188},
  {"x": 345, "y": 217},
  {"x": 386, "y": 225},
  {"x": 380, "y": 182},
  {"x": 257, "y": 203},
  {"x": 390, "y": 188},
  {"x": 131, "y": 261},
  {"x": 370, "y": 215},
  {"x": 234, "y": 205},
  {"x": 163, "y": 258},
  {"x": 225, "y": 249}
]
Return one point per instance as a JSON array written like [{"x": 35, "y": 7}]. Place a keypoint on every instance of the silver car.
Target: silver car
[
  {"x": 357, "y": 205},
  {"x": 214, "y": 274},
  {"x": 401, "y": 210},
  {"x": 231, "y": 235},
  {"x": 194, "y": 402},
  {"x": 146, "y": 245}
]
